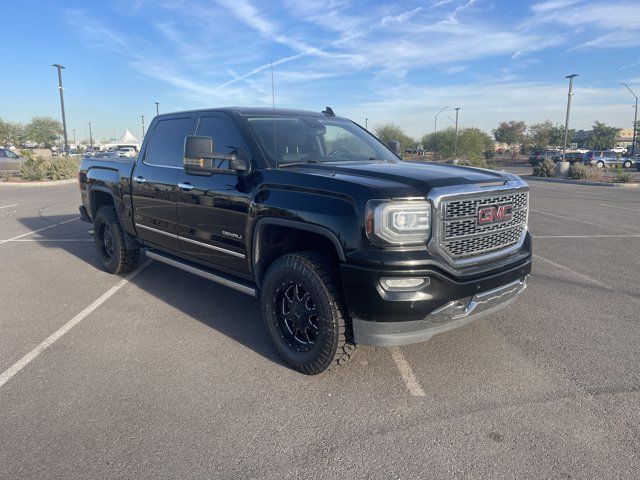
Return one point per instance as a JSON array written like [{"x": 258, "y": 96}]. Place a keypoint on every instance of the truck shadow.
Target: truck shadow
[{"x": 231, "y": 313}]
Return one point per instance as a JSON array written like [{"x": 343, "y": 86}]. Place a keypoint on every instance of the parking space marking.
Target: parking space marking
[
  {"x": 7, "y": 206},
  {"x": 406, "y": 372},
  {"x": 38, "y": 230},
  {"x": 581, "y": 221},
  {"x": 49, "y": 240},
  {"x": 29, "y": 357},
  {"x": 621, "y": 208},
  {"x": 577, "y": 274},
  {"x": 586, "y": 236}
]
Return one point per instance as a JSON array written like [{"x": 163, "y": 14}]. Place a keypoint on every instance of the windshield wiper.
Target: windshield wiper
[{"x": 293, "y": 164}]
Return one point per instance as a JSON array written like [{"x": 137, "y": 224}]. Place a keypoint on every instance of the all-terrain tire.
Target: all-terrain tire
[
  {"x": 110, "y": 245},
  {"x": 289, "y": 281}
]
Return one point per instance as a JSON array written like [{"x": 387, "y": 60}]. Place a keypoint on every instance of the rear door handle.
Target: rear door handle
[
  {"x": 139, "y": 179},
  {"x": 185, "y": 186}
]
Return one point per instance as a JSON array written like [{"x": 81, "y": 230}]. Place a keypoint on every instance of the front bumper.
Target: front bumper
[
  {"x": 452, "y": 315},
  {"x": 382, "y": 318}
]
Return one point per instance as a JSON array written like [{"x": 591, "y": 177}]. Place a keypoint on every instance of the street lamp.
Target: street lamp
[
  {"x": 64, "y": 120},
  {"x": 455, "y": 141},
  {"x": 566, "y": 122},
  {"x": 142, "y": 117},
  {"x": 90, "y": 136},
  {"x": 435, "y": 119},
  {"x": 157, "y": 108},
  {"x": 74, "y": 136},
  {"x": 635, "y": 121}
]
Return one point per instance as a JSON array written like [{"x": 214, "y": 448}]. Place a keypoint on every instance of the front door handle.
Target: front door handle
[
  {"x": 139, "y": 179},
  {"x": 185, "y": 186}
]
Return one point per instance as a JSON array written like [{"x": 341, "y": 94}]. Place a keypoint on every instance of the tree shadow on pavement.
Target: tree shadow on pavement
[{"x": 229, "y": 312}]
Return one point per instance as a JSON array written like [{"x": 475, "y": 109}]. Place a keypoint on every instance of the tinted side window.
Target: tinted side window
[
  {"x": 167, "y": 143},
  {"x": 226, "y": 138}
]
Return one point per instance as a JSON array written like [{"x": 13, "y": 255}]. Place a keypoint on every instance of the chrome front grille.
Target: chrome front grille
[{"x": 464, "y": 238}]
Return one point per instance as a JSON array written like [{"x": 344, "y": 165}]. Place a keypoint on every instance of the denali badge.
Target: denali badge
[{"x": 494, "y": 214}]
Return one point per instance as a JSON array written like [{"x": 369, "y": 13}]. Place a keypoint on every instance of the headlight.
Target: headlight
[{"x": 398, "y": 222}]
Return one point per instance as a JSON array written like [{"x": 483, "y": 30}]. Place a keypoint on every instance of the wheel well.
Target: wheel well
[
  {"x": 99, "y": 199},
  {"x": 275, "y": 241}
]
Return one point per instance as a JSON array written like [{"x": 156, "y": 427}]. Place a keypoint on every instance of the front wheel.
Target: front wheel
[
  {"x": 627, "y": 164},
  {"x": 110, "y": 245},
  {"x": 303, "y": 312},
  {"x": 600, "y": 164}
]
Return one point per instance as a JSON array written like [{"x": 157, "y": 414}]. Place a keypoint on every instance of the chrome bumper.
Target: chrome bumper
[{"x": 452, "y": 315}]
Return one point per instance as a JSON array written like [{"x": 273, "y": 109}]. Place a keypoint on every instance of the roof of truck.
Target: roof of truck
[{"x": 257, "y": 111}]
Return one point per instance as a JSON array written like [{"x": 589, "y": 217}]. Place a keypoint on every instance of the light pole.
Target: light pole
[
  {"x": 74, "y": 135},
  {"x": 435, "y": 119},
  {"x": 366, "y": 123},
  {"x": 635, "y": 122},
  {"x": 90, "y": 136},
  {"x": 157, "y": 108},
  {"x": 142, "y": 117},
  {"x": 566, "y": 122},
  {"x": 455, "y": 141},
  {"x": 64, "y": 119}
]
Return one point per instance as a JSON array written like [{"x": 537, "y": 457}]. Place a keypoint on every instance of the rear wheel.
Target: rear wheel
[
  {"x": 627, "y": 164},
  {"x": 110, "y": 244},
  {"x": 303, "y": 312},
  {"x": 600, "y": 164}
]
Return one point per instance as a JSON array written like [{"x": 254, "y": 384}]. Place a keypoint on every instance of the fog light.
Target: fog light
[{"x": 404, "y": 283}]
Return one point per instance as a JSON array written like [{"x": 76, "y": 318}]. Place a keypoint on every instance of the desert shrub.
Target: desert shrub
[
  {"x": 34, "y": 169},
  {"x": 6, "y": 176},
  {"x": 579, "y": 171},
  {"x": 546, "y": 168},
  {"x": 474, "y": 161},
  {"x": 621, "y": 175},
  {"x": 63, "y": 168}
]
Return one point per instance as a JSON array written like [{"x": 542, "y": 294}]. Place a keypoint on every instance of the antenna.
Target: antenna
[{"x": 273, "y": 106}]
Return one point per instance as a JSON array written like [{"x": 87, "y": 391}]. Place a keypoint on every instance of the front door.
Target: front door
[
  {"x": 213, "y": 210},
  {"x": 154, "y": 183}
]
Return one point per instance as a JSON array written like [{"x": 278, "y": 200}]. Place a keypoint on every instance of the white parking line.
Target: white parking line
[
  {"x": 50, "y": 240},
  {"x": 406, "y": 372},
  {"x": 581, "y": 221},
  {"x": 586, "y": 236},
  {"x": 577, "y": 274},
  {"x": 7, "y": 206},
  {"x": 39, "y": 230},
  {"x": 29, "y": 357},
  {"x": 621, "y": 208}
]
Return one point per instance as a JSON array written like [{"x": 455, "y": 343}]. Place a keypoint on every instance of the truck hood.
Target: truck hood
[{"x": 404, "y": 179}]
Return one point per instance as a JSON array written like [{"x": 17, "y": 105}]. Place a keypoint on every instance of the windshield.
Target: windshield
[{"x": 292, "y": 140}]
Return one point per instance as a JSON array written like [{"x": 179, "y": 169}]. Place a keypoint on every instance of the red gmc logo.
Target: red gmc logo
[{"x": 494, "y": 214}]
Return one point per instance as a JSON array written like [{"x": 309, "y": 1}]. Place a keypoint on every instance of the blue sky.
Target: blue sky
[{"x": 386, "y": 61}]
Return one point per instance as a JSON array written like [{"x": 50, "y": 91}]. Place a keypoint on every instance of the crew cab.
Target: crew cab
[{"x": 343, "y": 242}]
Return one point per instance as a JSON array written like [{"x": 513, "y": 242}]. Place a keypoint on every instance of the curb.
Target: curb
[
  {"x": 38, "y": 184},
  {"x": 578, "y": 182}
]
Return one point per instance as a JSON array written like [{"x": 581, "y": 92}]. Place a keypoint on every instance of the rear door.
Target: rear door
[
  {"x": 154, "y": 185},
  {"x": 213, "y": 210}
]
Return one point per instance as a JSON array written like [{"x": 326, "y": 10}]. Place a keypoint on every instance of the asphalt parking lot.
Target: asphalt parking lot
[{"x": 163, "y": 375}]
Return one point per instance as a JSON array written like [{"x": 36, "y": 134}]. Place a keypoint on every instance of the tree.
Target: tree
[
  {"x": 556, "y": 136},
  {"x": 43, "y": 130},
  {"x": 390, "y": 131},
  {"x": 473, "y": 144},
  {"x": 540, "y": 134},
  {"x": 511, "y": 133},
  {"x": 11, "y": 133},
  {"x": 441, "y": 142},
  {"x": 602, "y": 136}
]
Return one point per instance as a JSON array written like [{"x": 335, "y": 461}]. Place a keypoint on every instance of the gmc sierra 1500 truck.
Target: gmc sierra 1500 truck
[{"x": 343, "y": 242}]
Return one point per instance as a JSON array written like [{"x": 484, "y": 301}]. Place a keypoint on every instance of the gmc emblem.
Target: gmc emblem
[{"x": 494, "y": 214}]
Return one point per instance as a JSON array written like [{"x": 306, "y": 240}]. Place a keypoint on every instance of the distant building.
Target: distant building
[{"x": 624, "y": 138}]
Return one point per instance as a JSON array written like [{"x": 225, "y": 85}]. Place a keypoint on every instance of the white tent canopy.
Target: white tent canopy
[{"x": 126, "y": 140}]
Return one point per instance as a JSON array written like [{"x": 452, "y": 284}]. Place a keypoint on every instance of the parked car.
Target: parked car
[
  {"x": 342, "y": 241},
  {"x": 600, "y": 158},
  {"x": 127, "y": 152},
  {"x": 10, "y": 161},
  {"x": 619, "y": 150},
  {"x": 629, "y": 161},
  {"x": 573, "y": 157},
  {"x": 537, "y": 156}
]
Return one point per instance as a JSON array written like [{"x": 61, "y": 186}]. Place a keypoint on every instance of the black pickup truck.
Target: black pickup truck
[{"x": 343, "y": 241}]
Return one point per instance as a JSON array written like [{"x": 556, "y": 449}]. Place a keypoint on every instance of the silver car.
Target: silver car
[{"x": 9, "y": 160}]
